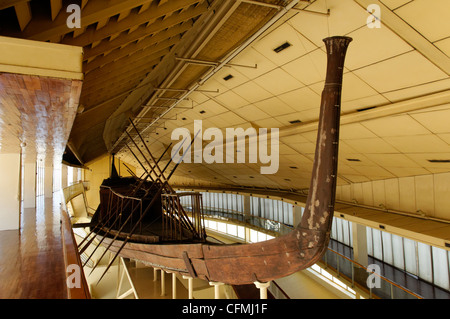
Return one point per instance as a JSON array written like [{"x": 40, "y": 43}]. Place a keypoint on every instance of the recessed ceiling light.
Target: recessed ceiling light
[{"x": 282, "y": 47}]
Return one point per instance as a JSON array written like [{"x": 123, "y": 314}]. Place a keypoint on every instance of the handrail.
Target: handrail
[
  {"x": 70, "y": 247},
  {"x": 374, "y": 273},
  {"x": 80, "y": 290}
]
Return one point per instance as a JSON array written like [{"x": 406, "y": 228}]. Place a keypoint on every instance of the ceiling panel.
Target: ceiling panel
[
  {"x": 372, "y": 45},
  {"x": 278, "y": 82},
  {"x": 432, "y": 22},
  {"x": 399, "y": 72},
  {"x": 285, "y": 33},
  {"x": 301, "y": 99},
  {"x": 402, "y": 125},
  {"x": 418, "y": 144}
]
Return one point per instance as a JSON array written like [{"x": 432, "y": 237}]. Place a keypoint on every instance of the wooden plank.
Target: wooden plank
[
  {"x": 55, "y": 6},
  {"x": 23, "y": 12},
  {"x": 130, "y": 50},
  {"x": 4, "y": 4},
  {"x": 125, "y": 24},
  {"x": 143, "y": 32},
  {"x": 42, "y": 29},
  {"x": 148, "y": 55}
]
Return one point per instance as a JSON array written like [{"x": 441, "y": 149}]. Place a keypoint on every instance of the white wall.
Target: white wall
[
  {"x": 428, "y": 193},
  {"x": 10, "y": 191}
]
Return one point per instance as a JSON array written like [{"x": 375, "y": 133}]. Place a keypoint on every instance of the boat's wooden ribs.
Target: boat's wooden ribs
[{"x": 176, "y": 221}]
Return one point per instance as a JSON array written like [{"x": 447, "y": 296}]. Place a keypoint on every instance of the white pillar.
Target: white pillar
[
  {"x": 174, "y": 285},
  {"x": 64, "y": 183},
  {"x": 48, "y": 182},
  {"x": 247, "y": 205},
  {"x": 262, "y": 286},
  {"x": 297, "y": 214},
  {"x": 190, "y": 286},
  {"x": 10, "y": 191},
  {"x": 216, "y": 288},
  {"x": 360, "y": 254},
  {"x": 163, "y": 283},
  {"x": 29, "y": 185}
]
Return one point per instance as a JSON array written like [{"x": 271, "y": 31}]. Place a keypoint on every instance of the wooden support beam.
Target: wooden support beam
[
  {"x": 4, "y": 4},
  {"x": 133, "y": 19},
  {"x": 111, "y": 87},
  {"x": 130, "y": 50},
  {"x": 148, "y": 55},
  {"x": 114, "y": 69},
  {"x": 125, "y": 76},
  {"x": 55, "y": 6},
  {"x": 23, "y": 13},
  {"x": 143, "y": 31},
  {"x": 43, "y": 29}
]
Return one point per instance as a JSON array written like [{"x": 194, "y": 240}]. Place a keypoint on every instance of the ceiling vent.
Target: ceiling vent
[
  {"x": 365, "y": 108},
  {"x": 439, "y": 161},
  {"x": 353, "y": 160},
  {"x": 282, "y": 47},
  {"x": 228, "y": 77},
  {"x": 295, "y": 121}
]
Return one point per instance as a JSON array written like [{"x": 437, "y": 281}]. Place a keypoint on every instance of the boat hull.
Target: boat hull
[{"x": 234, "y": 264}]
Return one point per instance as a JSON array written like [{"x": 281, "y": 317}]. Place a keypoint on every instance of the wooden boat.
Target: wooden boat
[{"x": 142, "y": 219}]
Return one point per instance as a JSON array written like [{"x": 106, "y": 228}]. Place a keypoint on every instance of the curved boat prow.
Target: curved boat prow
[
  {"x": 305, "y": 245},
  {"x": 317, "y": 218}
]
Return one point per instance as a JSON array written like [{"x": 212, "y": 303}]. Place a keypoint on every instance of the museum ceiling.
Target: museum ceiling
[{"x": 165, "y": 64}]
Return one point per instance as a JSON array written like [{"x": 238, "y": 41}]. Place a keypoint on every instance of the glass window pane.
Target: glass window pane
[
  {"x": 369, "y": 241},
  {"x": 424, "y": 257},
  {"x": 241, "y": 232},
  {"x": 409, "y": 247},
  {"x": 253, "y": 236},
  {"x": 397, "y": 251},
  {"x": 440, "y": 268},
  {"x": 387, "y": 247},
  {"x": 222, "y": 227},
  {"x": 345, "y": 233},
  {"x": 377, "y": 245},
  {"x": 232, "y": 229}
]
